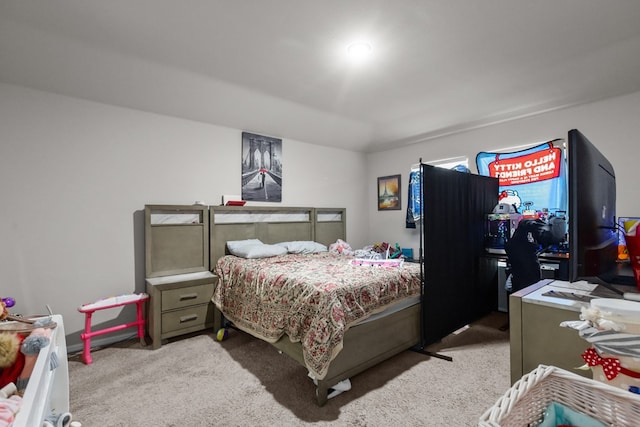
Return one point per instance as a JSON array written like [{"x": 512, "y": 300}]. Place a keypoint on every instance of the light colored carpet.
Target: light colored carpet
[{"x": 197, "y": 381}]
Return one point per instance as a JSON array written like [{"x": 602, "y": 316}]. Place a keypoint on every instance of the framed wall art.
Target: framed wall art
[
  {"x": 261, "y": 168},
  {"x": 389, "y": 193}
]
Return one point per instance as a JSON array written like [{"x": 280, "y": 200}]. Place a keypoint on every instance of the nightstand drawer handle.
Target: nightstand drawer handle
[
  {"x": 188, "y": 296},
  {"x": 188, "y": 318}
]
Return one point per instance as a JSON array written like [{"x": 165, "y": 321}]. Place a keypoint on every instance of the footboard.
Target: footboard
[{"x": 365, "y": 345}]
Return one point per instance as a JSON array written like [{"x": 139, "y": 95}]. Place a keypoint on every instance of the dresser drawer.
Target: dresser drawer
[
  {"x": 187, "y": 296},
  {"x": 193, "y": 318}
]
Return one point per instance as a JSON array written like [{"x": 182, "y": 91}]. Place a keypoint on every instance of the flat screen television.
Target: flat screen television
[{"x": 593, "y": 237}]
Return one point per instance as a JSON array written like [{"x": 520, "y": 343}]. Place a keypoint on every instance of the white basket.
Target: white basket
[{"x": 524, "y": 404}]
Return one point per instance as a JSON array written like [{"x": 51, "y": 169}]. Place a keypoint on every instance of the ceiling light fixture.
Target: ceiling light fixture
[{"x": 359, "y": 50}]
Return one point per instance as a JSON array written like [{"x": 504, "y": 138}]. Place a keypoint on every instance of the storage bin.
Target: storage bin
[{"x": 525, "y": 403}]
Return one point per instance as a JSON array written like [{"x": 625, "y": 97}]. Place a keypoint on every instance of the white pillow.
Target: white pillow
[
  {"x": 234, "y": 245},
  {"x": 303, "y": 247},
  {"x": 258, "y": 251}
]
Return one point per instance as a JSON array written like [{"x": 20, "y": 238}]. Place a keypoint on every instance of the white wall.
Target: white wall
[
  {"x": 75, "y": 176},
  {"x": 612, "y": 125}
]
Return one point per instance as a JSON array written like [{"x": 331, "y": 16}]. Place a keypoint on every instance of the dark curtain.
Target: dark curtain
[{"x": 460, "y": 282}]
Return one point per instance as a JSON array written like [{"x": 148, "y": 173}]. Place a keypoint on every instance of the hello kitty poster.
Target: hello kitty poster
[{"x": 535, "y": 177}]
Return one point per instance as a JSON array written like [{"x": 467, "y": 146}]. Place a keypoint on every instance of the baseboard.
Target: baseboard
[{"x": 97, "y": 343}]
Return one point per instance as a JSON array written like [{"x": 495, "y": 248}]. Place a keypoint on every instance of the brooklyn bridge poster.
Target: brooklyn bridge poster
[{"x": 261, "y": 168}]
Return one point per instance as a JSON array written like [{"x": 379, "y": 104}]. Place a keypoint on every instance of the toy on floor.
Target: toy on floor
[
  {"x": 223, "y": 334},
  {"x": 106, "y": 303}
]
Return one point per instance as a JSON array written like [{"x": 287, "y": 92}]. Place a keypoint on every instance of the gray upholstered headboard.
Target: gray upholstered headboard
[{"x": 272, "y": 225}]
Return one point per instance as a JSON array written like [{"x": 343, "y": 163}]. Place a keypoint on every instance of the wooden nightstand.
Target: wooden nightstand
[{"x": 180, "y": 304}]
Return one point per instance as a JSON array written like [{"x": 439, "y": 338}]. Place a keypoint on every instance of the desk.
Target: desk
[
  {"x": 552, "y": 266},
  {"x": 536, "y": 336}
]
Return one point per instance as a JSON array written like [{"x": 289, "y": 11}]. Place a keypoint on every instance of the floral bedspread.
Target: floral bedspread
[{"x": 312, "y": 298}]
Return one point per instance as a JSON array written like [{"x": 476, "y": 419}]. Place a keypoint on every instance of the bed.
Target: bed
[{"x": 347, "y": 319}]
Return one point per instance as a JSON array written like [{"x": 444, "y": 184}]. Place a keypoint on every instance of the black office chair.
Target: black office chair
[{"x": 523, "y": 248}]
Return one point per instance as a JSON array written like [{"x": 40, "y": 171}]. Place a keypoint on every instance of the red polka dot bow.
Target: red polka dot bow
[{"x": 610, "y": 365}]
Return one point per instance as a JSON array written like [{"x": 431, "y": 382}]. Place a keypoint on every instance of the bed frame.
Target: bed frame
[{"x": 365, "y": 344}]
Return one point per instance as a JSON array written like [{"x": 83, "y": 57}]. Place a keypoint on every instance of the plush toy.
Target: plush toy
[
  {"x": 30, "y": 348},
  {"x": 11, "y": 359},
  {"x": 18, "y": 350},
  {"x": 341, "y": 247},
  {"x": 9, "y": 347}
]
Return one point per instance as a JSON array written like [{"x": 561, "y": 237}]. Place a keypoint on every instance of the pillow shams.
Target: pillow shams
[
  {"x": 234, "y": 245},
  {"x": 256, "y": 250},
  {"x": 303, "y": 247}
]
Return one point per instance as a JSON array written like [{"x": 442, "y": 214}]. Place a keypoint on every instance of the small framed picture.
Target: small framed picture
[{"x": 389, "y": 193}]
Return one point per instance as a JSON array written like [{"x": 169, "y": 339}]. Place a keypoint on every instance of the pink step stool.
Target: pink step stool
[{"x": 103, "y": 304}]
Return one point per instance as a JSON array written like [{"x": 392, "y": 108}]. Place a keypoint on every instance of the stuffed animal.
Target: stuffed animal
[
  {"x": 341, "y": 247},
  {"x": 9, "y": 347},
  {"x": 11, "y": 359},
  {"x": 30, "y": 348},
  {"x": 18, "y": 356},
  {"x": 18, "y": 351}
]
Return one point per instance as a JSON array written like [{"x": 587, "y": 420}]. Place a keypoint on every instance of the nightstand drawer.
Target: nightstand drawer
[
  {"x": 180, "y": 304},
  {"x": 187, "y": 296},
  {"x": 195, "y": 318}
]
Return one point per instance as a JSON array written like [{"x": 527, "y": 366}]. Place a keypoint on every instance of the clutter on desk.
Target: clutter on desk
[{"x": 502, "y": 222}]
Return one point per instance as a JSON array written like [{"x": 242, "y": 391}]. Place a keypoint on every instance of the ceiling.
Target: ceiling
[{"x": 279, "y": 68}]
